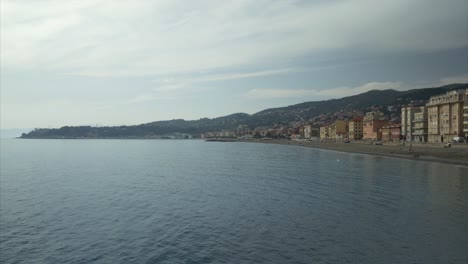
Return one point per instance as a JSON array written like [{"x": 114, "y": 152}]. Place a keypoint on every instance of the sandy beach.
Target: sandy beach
[{"x": 456, "y": 154}]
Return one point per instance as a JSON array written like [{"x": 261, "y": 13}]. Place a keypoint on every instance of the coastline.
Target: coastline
[
  {"x": 456, "y": 155},
  {"x": 432, "y": 152}
]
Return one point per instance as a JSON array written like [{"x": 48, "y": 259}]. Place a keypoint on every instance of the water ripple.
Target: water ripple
[{"x": 124, "y": 201}]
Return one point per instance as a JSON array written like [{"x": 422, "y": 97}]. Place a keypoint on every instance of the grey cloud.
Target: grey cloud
[{"x": 145, "y": 37}]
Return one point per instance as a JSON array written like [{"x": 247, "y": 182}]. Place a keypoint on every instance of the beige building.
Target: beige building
[
  {"x": 311, "y": 132},
  {"x": 331, "y": 132},
  {"x": 337, "y": 130},
  {"x": 419, "y": 125},
  {"x": 465, "y": 116},
  {"x": 324, "y": 132},
  {"x": 445, "y": 116},
  {"x": 407, "y": 117},
  {"x": 414, "y": 120},
  {"x": 355, "y": 129}
]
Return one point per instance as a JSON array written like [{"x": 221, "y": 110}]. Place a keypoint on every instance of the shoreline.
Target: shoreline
[
  {"x": 457, "y": 155},
  {"x": 432, "y": 152}
]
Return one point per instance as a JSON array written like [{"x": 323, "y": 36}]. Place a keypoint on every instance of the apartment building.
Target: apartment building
[
  {"x": 385, "y": 133},
  {"x": 395, "y": 132},
  {"x": 324, "y": 132},
  {"x": 465, "y": 116},
  {"x": 355, "y": 128},
  {"x": 419, "y": 125},
  {"x": 445, "y": 116},
  {"x": 407, "y": 117},
  {"x": 372, "y": 123},
  {"x": 338, "y": 130},
  {"x": 311, "y": 132},
  {"x": 391, "y": 132},
  {"x": 332, "y": 132}
]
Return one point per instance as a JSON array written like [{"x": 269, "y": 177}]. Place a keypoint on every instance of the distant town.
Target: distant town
[{"x": 443, "y": 118}]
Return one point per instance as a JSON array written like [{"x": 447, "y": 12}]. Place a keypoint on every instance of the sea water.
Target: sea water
[{"x": 190, "y": 201}]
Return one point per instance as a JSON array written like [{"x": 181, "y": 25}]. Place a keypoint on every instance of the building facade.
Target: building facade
[
  {"x": 324, "y": 132},
  {"x": 445, "y": 116},
  {"x": 355, "y": 129},
  {"x": 339, "y": 130},
  {"x": 385, "y": 132},
  {"x": 332, "y": 132},
  {"x": 311, "y": 132},
  {"x": 395, "y": 132},
  {"x": 372, "y": 123},
  {"x": 407, "y": 117},
  {"x": 419, "y": 125},
  {"x": 307, "y": 131},
  {"x": 465, "y": 116},
  {"x": 391, "y": 132}
]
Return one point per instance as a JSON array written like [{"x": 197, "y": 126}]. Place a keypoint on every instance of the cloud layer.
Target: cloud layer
[
  {"x": 138, "y": 38},
  {"x": 126, "y": 62}
]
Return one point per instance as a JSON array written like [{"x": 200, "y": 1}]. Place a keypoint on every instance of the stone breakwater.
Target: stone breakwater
[{"x": 456, "y": 154}]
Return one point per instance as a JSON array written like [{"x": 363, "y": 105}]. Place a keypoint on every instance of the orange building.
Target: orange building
[{"x": 372, "y": 123}]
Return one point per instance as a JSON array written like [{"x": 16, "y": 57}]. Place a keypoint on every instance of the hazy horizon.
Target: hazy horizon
[
  {"x": 126, "y": 63},
  {"x": 16, "y": 132}
]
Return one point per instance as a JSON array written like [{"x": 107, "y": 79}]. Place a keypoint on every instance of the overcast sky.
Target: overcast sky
[{"x": 129, "y": 62}]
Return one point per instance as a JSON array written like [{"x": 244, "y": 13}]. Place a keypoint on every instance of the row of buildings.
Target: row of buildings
[
  {"x": 442, "y": 119},
  {"x": 372, "y": 126}
]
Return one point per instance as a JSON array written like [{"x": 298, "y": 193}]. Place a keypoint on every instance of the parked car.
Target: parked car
[{"x": 378, "y": 143}]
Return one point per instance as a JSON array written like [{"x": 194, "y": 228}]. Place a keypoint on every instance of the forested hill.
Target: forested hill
[
  {"x": 268, "y": 117},
  {"x": 360, "y": 102}
]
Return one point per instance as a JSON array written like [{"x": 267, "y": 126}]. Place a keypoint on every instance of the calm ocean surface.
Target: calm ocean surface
[{"x": 167, "y": 201}]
